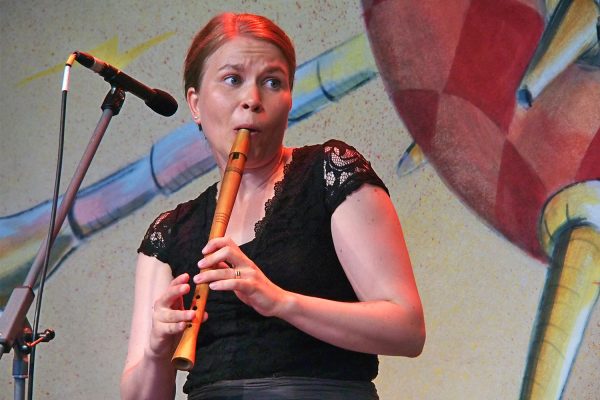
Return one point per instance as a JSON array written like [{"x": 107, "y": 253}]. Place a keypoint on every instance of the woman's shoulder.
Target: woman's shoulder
[
  {"x": 332, "y": 156},
  {"x": 338, "y": 151},
  {"x": 340, "y": 156},
  {"x": 164, "y": 228},
  {"x": 182, "y": 210},
  {"x": 336, "y": 146}
]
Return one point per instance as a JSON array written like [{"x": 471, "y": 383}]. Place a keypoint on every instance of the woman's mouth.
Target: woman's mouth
[{"x": 252, "y": 129}]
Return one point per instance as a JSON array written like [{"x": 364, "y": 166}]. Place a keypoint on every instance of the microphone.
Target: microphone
[{"x": 159, "y": 101}]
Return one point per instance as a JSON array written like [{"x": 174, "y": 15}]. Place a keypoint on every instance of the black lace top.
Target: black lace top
[{"x": 293, "y": 247}]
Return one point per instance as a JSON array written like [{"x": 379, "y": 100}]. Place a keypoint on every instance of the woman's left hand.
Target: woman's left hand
[{"x": 226, "y": 267}]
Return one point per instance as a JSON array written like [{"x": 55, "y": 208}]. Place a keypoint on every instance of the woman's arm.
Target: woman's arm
[
  {"x": 370, "y": 245},
  {"x": 158, "y": 320}
]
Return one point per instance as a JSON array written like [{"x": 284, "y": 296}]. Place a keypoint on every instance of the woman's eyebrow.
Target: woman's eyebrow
[
  {"x": 239, "y": 67},
  {"x": 275, "y": 68},
  {"x": 236, "y": 67}
]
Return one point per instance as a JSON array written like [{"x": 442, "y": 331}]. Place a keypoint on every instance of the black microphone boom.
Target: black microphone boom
[{"x": 159, "y": 101}]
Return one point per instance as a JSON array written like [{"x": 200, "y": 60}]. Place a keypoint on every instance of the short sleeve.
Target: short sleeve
[
  {"x": 345, "y": 170},
  {"x": 157, "y": 238}
]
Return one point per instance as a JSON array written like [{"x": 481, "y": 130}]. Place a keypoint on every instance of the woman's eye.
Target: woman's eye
[
  {"x": 232, "y": 79},
  {"x": 273, "y": 83}
]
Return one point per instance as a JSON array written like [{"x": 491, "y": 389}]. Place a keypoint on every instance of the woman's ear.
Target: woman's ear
[{"x": 192, "y": 101}]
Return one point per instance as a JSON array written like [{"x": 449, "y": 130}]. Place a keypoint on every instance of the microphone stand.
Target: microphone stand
[{"x": 15, "y": 330}]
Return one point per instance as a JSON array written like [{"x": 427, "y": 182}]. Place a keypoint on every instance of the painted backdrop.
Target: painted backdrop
[{"x": 481, "y": 292}]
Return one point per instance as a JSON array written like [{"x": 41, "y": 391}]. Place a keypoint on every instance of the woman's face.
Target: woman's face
[{"x": 244, "y": 85}]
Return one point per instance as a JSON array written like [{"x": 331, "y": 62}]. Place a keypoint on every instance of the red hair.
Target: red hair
[{"x": 224, "y": 27}]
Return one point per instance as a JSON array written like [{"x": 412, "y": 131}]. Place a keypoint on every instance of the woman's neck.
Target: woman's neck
[
  {"x": 258, "y": 178},
  {"x": 256, "y": 188}
]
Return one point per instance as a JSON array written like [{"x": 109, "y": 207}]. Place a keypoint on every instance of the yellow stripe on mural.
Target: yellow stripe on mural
[{"x": 107, "y": 51}]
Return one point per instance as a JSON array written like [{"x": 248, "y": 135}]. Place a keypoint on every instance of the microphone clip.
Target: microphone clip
[{"x": 114, "y": 100}]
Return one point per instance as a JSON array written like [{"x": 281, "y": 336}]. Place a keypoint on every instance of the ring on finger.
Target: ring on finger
[{"x": 238, "y": 274}]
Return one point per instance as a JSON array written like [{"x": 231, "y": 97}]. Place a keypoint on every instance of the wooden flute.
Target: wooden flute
[{"x": 185, "y": 354}]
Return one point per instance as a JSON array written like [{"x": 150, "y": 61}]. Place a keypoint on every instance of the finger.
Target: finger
[
  {"x": 183, "y": 278},
  {"x": 178, "y": 327},
  {"x": 218, "y": 243},
  {"x": 178, "y": 288},
  {"x": 210, "y": 275},
  {"x": 228, "y": 284},
  {"x": 225, "y": 257},
  {"x": 170, "y": 316},
  {"x": 166, "y": 330}
]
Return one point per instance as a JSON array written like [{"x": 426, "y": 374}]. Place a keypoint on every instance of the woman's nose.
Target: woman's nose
[{"x": 251, "y": 100}]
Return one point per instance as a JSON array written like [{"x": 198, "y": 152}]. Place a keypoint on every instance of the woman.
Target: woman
[{"x": 313, "y": 278}]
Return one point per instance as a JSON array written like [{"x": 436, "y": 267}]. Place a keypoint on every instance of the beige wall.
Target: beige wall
[{"x": 480, "y": 293}]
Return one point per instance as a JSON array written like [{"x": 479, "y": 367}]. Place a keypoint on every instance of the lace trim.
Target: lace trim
[
  {"x": 278, "y": 190},
  {"x": 154, "y": 241},
  {"x": 157, "y": 234},
  {"x": 341, "y": 164}
]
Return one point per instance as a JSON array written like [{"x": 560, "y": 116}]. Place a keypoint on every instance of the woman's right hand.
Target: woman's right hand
[
  {"x": 169, "y": 318},
  {"x": 157, "y": 322}
]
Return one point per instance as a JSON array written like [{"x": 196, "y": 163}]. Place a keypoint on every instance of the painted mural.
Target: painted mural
[
  {"x": 501, "y": 98},
  {"x": 514, "y": 94}
]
